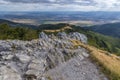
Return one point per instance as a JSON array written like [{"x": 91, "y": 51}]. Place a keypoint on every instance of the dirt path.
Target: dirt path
[{"x": 77, "y": 68}]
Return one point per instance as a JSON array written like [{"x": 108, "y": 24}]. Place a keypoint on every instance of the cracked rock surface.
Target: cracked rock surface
[{"x": 49, "y": 58}]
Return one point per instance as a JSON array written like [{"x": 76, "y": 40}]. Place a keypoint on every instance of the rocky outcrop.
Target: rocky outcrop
[
  {"x": 75, "y": 35},
  {"x": 78, "y": 36},
  {"x": 33, "y": 60}
]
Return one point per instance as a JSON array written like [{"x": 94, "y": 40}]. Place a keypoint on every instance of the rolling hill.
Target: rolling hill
[
  {"x": 13, "y": 24},
  {"x": 111, "y": 29}
]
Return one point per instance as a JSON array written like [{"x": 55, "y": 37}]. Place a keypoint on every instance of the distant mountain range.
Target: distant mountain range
[
  {"x": 72, "y": 17},
  {"x": 63, "y": 15},
  {"x": 111, "y": 29}
]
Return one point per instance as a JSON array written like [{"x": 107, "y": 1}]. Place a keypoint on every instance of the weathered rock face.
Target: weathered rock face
[
  {"x": 32, "y": 60},
  {"x": 75, "y": 35},
  {"x": 78, "y": 36}
]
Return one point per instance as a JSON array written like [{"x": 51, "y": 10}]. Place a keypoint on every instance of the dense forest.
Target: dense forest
[
  {"x": 8, "y": 32},
  {"x": 95, "y": 39}
]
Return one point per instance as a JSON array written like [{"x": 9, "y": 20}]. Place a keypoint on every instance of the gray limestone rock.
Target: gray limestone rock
[
  {"x": 78, "y": 36},
  {"x": 23, "y": 58},
  {"x": 9, "y": 74},
  {"x": 32, "y": 60},
  {"x": 62, "y": 35},
  {"x": 42, "y": 35}
]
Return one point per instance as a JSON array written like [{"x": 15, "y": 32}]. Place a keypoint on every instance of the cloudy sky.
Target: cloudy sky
[{"x": 59, "y": 5}]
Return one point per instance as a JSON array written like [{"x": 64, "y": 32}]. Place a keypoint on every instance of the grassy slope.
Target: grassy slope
[
  {"x": 104, "y": 42},
  {"x": 109, "y": 63},
  {"x": 101, "y": 41}
]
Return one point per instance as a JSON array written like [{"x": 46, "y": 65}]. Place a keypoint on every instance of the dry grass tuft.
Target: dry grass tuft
[{"x": 58, "y": 30}]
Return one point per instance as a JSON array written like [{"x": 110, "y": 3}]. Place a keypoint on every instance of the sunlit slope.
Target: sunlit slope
[
  {"x": 58, "y": 30},
  {"x": 110, "y": 63}
]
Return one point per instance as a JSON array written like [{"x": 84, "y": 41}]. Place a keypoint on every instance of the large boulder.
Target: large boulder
[
  {"x": 42, "y": 35},
  {"x": 4, "y": 46},
  {"x": 35, "y": 69},
  {"x": 62, "y": 35},
  {"x": 78, "y": 36},
  {"x": 23, "y": 58},
  {"x": 7, "y": 73}
]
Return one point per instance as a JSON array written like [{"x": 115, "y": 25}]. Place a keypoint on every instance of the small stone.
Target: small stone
[
  {"x": 9, "y": 57},
  {"x": 85, "y": 54},
  {"x": 42, "y": 35}
]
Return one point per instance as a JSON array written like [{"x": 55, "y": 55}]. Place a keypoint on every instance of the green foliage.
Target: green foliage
[
  {"x": 7, "y": 32},
  {"x": 104, "y": 42}
]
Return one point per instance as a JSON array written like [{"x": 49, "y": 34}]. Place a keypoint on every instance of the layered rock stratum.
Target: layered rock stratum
[{"x": 51, "y": 57}]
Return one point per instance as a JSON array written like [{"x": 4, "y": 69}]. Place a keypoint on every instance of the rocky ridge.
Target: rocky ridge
[{"x": 49, "y": 58}]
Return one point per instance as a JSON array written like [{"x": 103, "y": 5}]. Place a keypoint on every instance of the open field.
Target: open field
[
  {"x": 37, "y": 22},
  {"x": 25, "y": 21}
]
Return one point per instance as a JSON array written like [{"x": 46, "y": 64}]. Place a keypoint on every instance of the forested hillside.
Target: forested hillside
[{"x": 110, "y": 29}]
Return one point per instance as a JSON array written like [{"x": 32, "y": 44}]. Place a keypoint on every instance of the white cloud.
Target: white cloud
[
  {"x": 54, "y": 5},
  {"x": 52, "y": 0},
  {"x": 3, "y": 2},
  {"x": 106, "y": 3}
]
